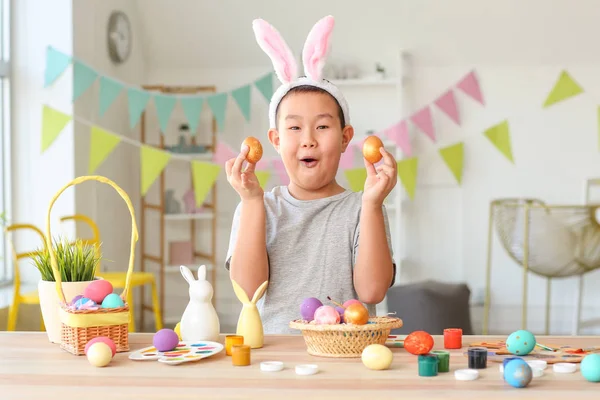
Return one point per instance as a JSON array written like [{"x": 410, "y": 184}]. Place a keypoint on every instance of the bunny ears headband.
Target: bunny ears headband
[{"x": 314, "y": 55}]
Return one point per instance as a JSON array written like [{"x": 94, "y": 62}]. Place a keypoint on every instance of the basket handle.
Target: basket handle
[{"x": 134, "y": 231}]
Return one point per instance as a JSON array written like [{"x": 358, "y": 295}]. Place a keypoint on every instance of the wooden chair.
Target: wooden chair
[
  {"x": 117, "y": 279},
  {"x": 31, "y": 298}
]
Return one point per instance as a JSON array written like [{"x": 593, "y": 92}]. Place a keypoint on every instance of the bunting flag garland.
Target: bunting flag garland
[
  {"x": 470, "y": 86},
  {"x": 263, "y": 177},
  {"x": 102, "y": 143},
  {"x": 422, "y": 119},
  {"x": 356, "y": 178},
  {"x": 565, "y": 88},
  {"x": 204, "y": 175},
  {"x": 53, "y": 122},
  {"x": 109, "y": 91},
  {"x": 241, "y": 96},
  {"x": 265, "y": 86},
  {"x": 192, "y": 108},
  {"x": 164, "y": 107},
  {"x": 56, "y": 64},
  {"x": 499, "y": 135},
  {"x": 407, "y": 172},
  {"x": 137, "y": 100},
  {"x": 453, "y": 157},
  {"x": 83, "y": 78},
  {"x": 398, "y": 133},
  {"x": 218, "y": 105},
  {"x": 447, "y": 103},
  {"x": 152, "y": 161}
]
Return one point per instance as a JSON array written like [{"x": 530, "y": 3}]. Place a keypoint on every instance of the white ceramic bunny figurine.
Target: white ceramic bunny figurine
[{"x": 200, "y": 320}]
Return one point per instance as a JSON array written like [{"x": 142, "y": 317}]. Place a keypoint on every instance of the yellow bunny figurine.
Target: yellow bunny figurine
[{"x": 250, "y": 324}]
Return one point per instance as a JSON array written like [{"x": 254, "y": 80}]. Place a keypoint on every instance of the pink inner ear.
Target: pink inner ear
[
  {"x": 316, "y": 47},
  {"x": 278, "y": 51}
]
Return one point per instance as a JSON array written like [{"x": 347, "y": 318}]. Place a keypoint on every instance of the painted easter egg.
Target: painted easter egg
[
  {"x": 356, "y": 314},
  {"x": 340, "y": 311},
  {"x": 308, "y": 308},
  {"x": 590, "y": 367},
  {"x": 255, "y": 151},
  {"x": 99, "y": 354},
  {"x": 326, "y": 315},
  {"x": 98, "y": 290},
  {"x": 84, "y": 301},
  {"x": 517, "y": 373},
  {"x": 102, "y": 339},
  {"x": 113, "y": 300},
  {"x": 520, "y": 342},
  {"x": 165, "y": 340},
  {"x": 351, "y": 301},
  {"x": 371, "y": 150},
  {"x": 418, "y": 343},
  {"x": 377, "y": 357}
]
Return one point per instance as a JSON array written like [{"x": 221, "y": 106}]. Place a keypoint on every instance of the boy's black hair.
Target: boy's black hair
[{"x": 312, "y": 89}]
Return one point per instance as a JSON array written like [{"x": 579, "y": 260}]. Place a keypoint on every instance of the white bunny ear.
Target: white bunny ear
[
  {"x": 271, "y": 42},
  {"x": 316, "y": 48},
  {"x": 187, "y": 274},
  {"x": 202, "y": 272}
]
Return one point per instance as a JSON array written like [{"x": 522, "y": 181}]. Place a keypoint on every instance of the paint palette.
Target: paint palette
[
  {"x": 184, "y": 352},
  {"x": 395, "y": 341},
  {"x": 559, "y": 354}
]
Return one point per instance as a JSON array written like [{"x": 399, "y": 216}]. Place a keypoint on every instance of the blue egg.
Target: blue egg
[
  {"x": 518, "y": 373},
  {"x": 590, "y": 367},
  {"x": 520, "y": 343},
  {"x": 113, "y": 300}
]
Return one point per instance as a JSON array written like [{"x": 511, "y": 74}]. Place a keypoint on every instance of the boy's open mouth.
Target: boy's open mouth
[{"x": 309, "y": 162}]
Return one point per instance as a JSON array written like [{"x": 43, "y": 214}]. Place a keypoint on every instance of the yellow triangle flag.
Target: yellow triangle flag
[
  {"x": 499, "y": 135},
  {"x": 356, "y": 178},
  {"x": 102, "y": 143},
  {"x": 407, "y": 172},
  {"x": 153, "y": 161},
  {"x": 564, "y": 88},
  {"x": 53, "y": 122},
  {"x": 263, "y": 177},
  {"x": 453, "y": 156},
  {"x": 204, "y": 175}
]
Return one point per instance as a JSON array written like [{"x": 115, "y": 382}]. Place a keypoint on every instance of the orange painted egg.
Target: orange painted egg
[
  {"x": 418, "y": 342},
  {"x": 371, "y": 148},
  {"x": 255, "y": 152}
]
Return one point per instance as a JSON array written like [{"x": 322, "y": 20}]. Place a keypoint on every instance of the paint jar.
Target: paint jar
[
  {"x": 428, "y": 365},
  {"x": 231, "y": 340},
  {"x": 443, "y": 360},
  {"x": 240, "y": 355},
  {"x": 452, "y": 338}
]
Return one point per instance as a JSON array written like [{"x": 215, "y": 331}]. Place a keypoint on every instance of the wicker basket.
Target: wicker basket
[
  {"x": 345, "y": 340},
  {"x": 80, "y": 326}
]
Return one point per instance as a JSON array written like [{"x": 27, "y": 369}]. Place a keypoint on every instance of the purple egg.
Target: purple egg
[
  {"x": 165, "y": 340},
  {"x": 340, "y": 310},
  {"x": 308, "y": 308}
]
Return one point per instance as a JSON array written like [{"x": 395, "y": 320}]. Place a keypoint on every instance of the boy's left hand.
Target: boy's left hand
[{"x": 380, "y": 181}]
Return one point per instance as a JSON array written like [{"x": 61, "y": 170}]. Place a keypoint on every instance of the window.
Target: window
[{"x": 5, "y": 186}]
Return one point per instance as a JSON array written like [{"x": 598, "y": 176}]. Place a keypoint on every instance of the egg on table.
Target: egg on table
[
  {"x": 520, "y": 342},
  {"x": 377, "y": 357}
]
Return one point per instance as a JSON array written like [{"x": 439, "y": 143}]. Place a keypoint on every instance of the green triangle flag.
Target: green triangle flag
[
  {"x": 356, "y": 178},
  {"x": 407, "y": 172},
  {"x": 153, "y": 161},
  {"x": 192, "y": 108},
  {"x": 109, "y": 91},
  {"x": 499, "y": 135},
  {"x": 164, "y": 107},
  {"x": 53, "y": 122},
  {"x": 56, "y": 63},
  {"x": 242, "y": 98},
  {"x": 263, "y": 177},
  {"x": 265, "y": 86},
  {"x": 102, "y": 143},
  {"x": 453, "y": 156},
  {"x": 83, "y": 78},
  {"x": 204, "y": 175},
  {"x": 218, "y": 105},
  {"x": 138, "y": 100},
  {"x": 564, "y": 88}
]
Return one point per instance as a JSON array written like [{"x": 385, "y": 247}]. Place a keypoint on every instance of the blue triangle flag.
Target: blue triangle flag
[
  {"x": 83, "y": 78},
  {"x": 109, "y": 90},
  {"x": 242, "y": 98},
  {"x": 164, "y": 107},
  {"x": 192, "y": 108},
  {"x": 265, "y": 85},
  {"x": 218, "y": 105},
  {"x": 56, "y": 64},
  {"x": 138, "y": 100}
]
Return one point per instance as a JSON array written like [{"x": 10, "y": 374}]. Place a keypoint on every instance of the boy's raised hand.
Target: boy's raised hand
[
  {"x": 244, "y": 182},
  {"x": 380, "y": 181}
]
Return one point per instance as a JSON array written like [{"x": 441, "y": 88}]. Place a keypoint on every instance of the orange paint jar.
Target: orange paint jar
[
  {"x": 240, "y": 355},
  {"x": 231, "y": 340}
]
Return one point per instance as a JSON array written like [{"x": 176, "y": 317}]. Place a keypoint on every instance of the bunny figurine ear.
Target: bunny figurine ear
[
  {"x": 316, "y": 48},
  {"x": 187, "y": 274},
  {"x": 271, "y": 42},
  {"x": 202, "y": 272}
]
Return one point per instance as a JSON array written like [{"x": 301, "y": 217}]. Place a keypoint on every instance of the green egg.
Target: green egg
[{"x": 520, "y": 342}]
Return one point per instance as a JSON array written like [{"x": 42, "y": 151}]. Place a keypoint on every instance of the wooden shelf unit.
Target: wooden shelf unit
[{"x": 210, "y": 213}]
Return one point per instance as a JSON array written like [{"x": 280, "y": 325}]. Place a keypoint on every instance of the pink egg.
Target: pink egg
[
  {"x": 351, "y": 301},
  {"x": 327, "y": 315},
  {"x": 102, "y": 339},
  {"x": 98, "y": 290}
]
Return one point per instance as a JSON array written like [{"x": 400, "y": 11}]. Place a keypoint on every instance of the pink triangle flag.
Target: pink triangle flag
[
  {"x": 447, "y": 103},
  {"x": 399, "y": 134},
  {"x": 347, "y": 159},
  {"x": 470, "y": 85},
  {"x": 263, "y": 164},
  {"x": 281, "y": 172},
  {"x": 422, "y": 119},
  {"x": 223, "y": 153}
]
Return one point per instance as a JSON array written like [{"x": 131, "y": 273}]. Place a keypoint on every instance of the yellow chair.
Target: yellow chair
[
  {"x": 19, "y": 298},
  {"x": 117, "y": 279}
]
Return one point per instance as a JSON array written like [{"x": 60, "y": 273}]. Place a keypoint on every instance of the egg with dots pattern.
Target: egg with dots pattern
[{"x": 520, "y": 342}]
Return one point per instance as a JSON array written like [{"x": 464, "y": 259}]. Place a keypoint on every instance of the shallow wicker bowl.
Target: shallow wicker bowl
[{"x": 345, "y": 340}]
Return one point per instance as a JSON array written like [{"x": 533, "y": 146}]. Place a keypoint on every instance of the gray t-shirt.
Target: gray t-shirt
[{"x": 312, "y": 247}]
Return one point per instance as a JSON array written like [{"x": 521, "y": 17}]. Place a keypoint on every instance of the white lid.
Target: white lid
[
  {"x": 564, "y": 368},
  {"x": 271, "y": 366},
  {"x": 306, "y": 369},
  {"x": 466, "y": 374}
]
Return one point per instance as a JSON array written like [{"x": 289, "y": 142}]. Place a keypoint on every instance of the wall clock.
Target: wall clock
[{"x": 119, "y": 37}]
